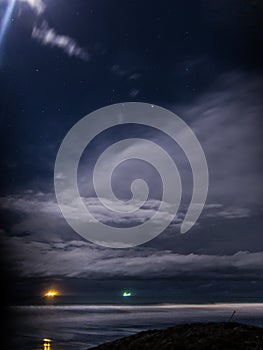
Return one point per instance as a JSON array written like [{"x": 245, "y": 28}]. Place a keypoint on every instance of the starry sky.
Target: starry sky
[{"x": 60, "y": 60}]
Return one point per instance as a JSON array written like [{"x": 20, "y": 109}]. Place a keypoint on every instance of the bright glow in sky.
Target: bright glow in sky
[
  {"x": 36, "y": 5},
  {"x": 6, "y": 19}
]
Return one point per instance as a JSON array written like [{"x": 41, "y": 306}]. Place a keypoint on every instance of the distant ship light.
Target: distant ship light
[{"x": 51, "y": 293}]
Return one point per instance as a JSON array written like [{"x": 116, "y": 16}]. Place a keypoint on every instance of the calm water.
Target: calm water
[{"x": 84, "y": 326}]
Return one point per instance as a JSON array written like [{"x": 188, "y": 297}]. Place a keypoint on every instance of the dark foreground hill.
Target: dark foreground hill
[{"x": 201, "y": 336}]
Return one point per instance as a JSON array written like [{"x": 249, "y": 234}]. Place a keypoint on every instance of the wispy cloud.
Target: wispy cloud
[
  {"x": 228, "y": 213},
  {"x": 37, "y": 5},
  {"x": 48, "y": 36},
  {"x": 134, "y": 92},
  {"x": 228, "y": 122}
]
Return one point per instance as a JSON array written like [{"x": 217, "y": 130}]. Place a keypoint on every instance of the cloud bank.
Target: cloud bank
[{"x": 81, "y": 259}]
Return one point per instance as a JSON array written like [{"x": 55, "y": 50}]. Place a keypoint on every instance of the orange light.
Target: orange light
[{"x": 51, "y": 293}]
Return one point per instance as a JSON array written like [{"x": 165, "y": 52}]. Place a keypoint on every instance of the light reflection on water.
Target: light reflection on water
[{"x": 47, "y": 344}]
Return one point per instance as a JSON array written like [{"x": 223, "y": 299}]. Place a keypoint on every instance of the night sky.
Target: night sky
[{"x": 60, "y": 60}]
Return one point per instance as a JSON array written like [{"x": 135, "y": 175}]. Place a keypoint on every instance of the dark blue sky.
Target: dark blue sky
[{"x": 200, "y": 59}]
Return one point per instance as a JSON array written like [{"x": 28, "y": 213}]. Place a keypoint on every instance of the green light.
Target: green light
[{"x": 126, "y": 294}]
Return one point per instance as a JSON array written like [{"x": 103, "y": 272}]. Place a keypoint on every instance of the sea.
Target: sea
[{"x": 85, "y": 321}]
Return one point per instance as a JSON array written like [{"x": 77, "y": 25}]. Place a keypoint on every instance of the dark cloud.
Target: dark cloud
[{"x": 50, "y": 248}]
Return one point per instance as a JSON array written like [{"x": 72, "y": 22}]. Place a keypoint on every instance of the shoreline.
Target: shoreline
[{"x": 140, "y": 306}]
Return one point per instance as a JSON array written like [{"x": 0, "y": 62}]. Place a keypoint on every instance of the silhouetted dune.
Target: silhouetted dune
[{"x": 201, "y": 336}]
